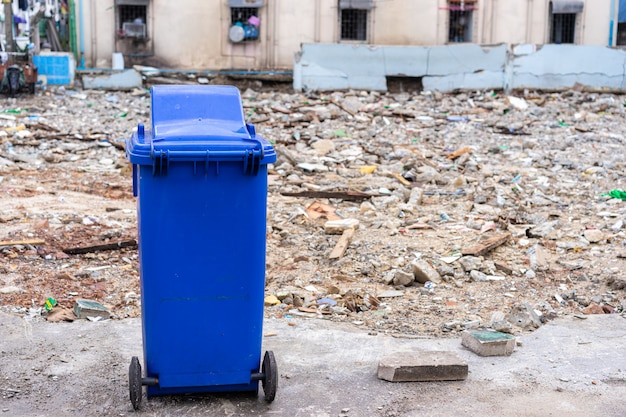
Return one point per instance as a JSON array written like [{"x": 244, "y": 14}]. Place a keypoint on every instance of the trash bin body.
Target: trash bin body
[{"x": 200, "y": 177}]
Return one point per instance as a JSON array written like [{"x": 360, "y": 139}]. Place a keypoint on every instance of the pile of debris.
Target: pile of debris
[{"x": 410, "y": 213}]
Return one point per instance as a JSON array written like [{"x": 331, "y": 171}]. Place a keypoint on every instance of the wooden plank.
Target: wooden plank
[
  {"x": 459, "y": 152},
  {"x": 98, "y": 248},
  {"x": 33, "y": 242},
  {"x": 403, "y": 180},
  {"x": 342, "y": 107},
  {"x": 487, "y": 245},
  {"x": 342, "y": 244},
  {"x": 341, "y": 195}
]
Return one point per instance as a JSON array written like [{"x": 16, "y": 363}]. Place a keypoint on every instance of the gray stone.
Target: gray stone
[
  {"x": 416, "y": 197},
  {"x": 471, "y": 263},
  {"x": 478, "y": 276},
  {"x": 488, "y": 343},
  {"x": 423, "y": 272},
  {"x": 502, "y": 326},
  {"x": 422, "y": 366},
  {"x": 390, "y": 294},
  {"x": 445, "y": 270},
  {"x": 323, "y": 146},
  {"x": 9, "y": 289},
  {"x": 594, "y": 235},
  {"x": 312, "y": 167},
  {"x": 426, "y": 173},
  {"x": 543, "y": 229},
  {"x": 352, "y": 104},
  {"x": 537, "y": 258},
  {"x": 403, "y": 278},
  {"x": 524, "y": 316}
]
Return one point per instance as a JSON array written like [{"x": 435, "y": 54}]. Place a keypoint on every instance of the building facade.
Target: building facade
[{"x": 265, "y": 34}]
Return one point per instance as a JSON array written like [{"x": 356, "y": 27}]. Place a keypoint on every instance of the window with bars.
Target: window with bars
[
  {"x": 248, "y": 19},
  {"x": 563, "y": 28},
  {"x": 461, "y": 20},
  {"x": 563, "y": 22},
  {"x": 460, "y": 26},
  {"x": 131, "y": 21},
  {"x": 353, "y": 25}
]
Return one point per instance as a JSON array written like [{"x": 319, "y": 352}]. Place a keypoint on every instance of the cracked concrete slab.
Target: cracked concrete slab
[{"x": 569, "y": 366}]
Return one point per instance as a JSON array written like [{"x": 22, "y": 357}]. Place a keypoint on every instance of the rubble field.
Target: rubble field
[{"x": 413, "y": 214}]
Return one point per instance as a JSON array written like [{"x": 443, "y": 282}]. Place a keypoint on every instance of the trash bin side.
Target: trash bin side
[{"x": 202, "y": 196}]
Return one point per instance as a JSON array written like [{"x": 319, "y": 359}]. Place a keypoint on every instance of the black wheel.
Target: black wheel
[
  {"x": 31, "y": 88},
  {"x": 134, "y": 382},
  {"x": 13, "y": 76},
  {"x": 270, "y": 379}
]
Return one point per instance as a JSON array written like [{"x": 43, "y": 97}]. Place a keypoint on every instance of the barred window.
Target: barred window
[
  {"x": 460, "y": 27},
  {"x": 353, "y": 25},
  {"x": 563, "y": 20},
  {"x": 131, "y": 21},
  {"x": 248, "y": 19},
  {"x": 563, "y": 28}
]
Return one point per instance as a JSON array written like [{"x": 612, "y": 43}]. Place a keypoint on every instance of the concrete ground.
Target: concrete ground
[{"x": 570, "y": 367}]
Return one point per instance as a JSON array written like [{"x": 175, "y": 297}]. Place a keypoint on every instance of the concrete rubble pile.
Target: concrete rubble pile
[{"x": 410, "y": 213}]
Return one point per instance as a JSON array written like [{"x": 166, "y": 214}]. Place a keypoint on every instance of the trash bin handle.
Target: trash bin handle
[{"x": 251, "y": 158}]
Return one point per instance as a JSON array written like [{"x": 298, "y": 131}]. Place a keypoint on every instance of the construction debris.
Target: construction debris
[
  {"x": 467, "y": 205},
  {"x": 422, "y": 366}
]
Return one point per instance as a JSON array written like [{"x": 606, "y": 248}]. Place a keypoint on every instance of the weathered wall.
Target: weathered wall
[
  {"x": 407, "y": 23},
  {"x": 467, "y": 66},
  {"x": 193, "y": 34},
  {"x": 556, "y": 67}
]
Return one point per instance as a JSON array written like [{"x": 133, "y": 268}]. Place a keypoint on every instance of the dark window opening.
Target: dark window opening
[
  {"x": 132, "y": 21},
  {"x": 247, "y": 18},
  {"x": 621, "y": 33},
  {"x": 353, "y": 25},
  {"x": 460, "y": 28},
  {"x": 563, "y": 28},
  {"x": 398, "y": 84}
]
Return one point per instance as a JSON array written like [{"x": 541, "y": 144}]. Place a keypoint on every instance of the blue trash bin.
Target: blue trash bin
[{"x": 200, "y": 178}]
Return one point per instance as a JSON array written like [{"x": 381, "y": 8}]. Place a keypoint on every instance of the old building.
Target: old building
[{"x": 265, "y": 34}]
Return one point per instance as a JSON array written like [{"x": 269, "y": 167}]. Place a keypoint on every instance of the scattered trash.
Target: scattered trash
[
  {"x": 50, "y": 303},
  {"x": 621, "y": 194},
  {"x": 457, "y": 118},
  {"x": 440, "y": 178}
]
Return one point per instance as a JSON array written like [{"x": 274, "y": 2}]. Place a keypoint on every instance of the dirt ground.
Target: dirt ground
[{"x": 428, "y": 176}]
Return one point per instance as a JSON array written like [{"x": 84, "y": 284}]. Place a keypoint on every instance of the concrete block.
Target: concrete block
[
  {"x": 488, "y": 343},
  {"x": 113, "y": 80},
  {"x": 88, "y": 308},
  {"x": 423, "y": 272},
  {"x": 422, "y": 366},
  {"x": 337, "y": 227}
]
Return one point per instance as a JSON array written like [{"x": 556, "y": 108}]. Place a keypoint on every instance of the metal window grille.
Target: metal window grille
[
  {"x": 563, "y": 28},
  {"x": 460, "y": 27},
  {"x": 240, "y": 16},
  {"x": 131, "y": 14},
  {"x": 353, "y": 25}
]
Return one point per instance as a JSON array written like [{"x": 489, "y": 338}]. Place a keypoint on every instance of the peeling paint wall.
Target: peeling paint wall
[
  {"x": 459, "y": 67},
  {"x": 193, "y": 34}
]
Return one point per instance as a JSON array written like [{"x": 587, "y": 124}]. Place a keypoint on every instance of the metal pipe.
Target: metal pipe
[
  {"x": 93, "y": 24},
  {"x": 81, "y": 29},
  {"x": 612, "y": 22}
]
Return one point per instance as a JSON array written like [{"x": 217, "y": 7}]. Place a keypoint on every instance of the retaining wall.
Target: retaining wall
[{"x": 460, "y": 67}]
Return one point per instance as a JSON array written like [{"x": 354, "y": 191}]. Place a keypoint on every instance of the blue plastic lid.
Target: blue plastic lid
[{"x": 197, "y": 122}]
